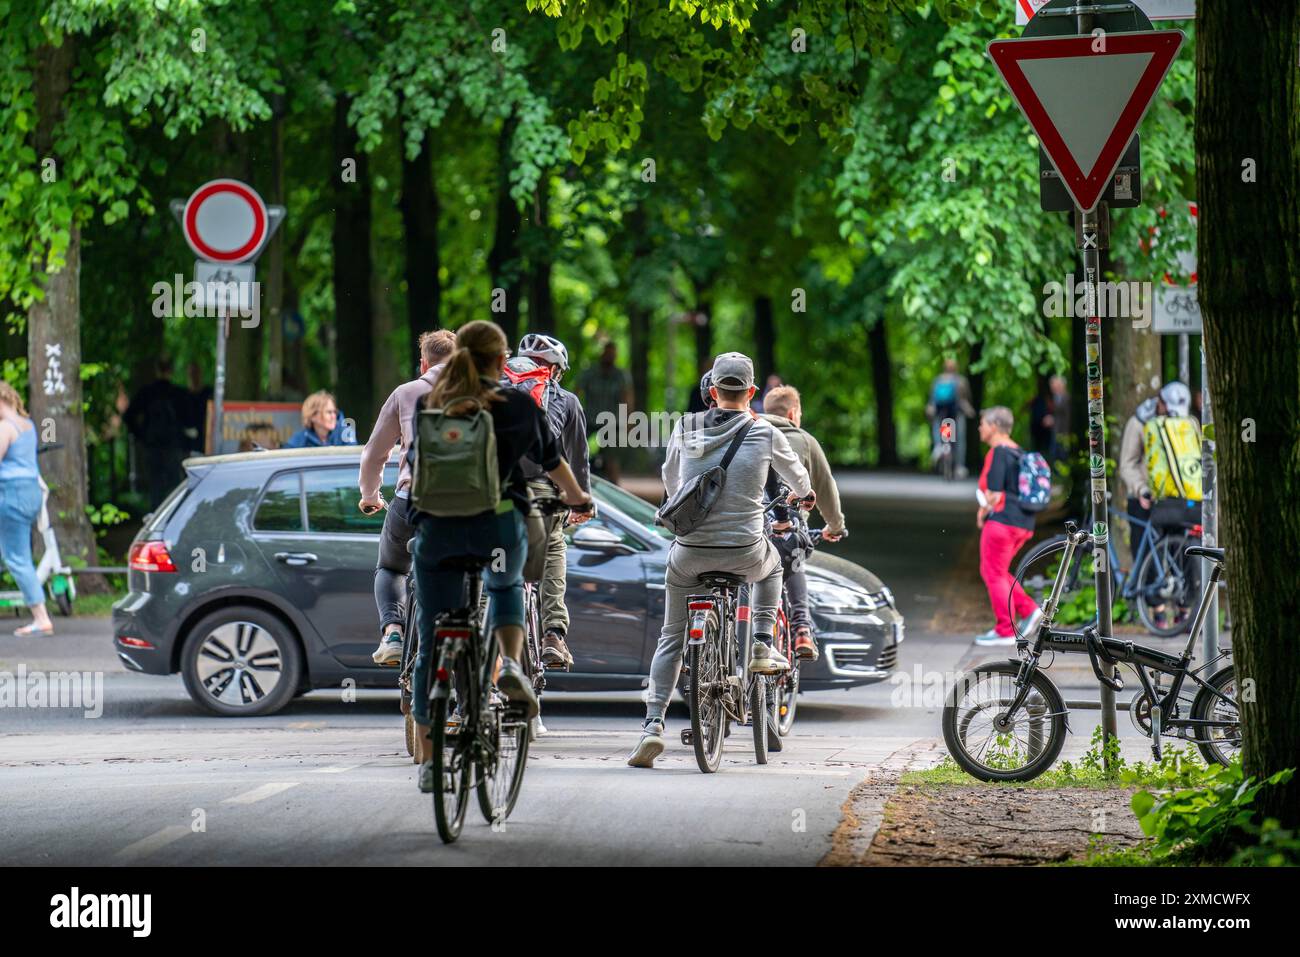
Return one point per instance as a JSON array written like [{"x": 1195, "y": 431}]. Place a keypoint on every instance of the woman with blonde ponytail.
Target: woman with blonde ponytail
[
  {"x": 497, "y": 537},
  {"x": 21, "y": 495}
]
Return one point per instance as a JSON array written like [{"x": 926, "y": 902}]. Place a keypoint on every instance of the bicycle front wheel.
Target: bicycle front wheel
[
  {"x": 784, "y": 694},
  {"x": 707, "y": 687},
  {"x": 991, "y": 744},
  {"x": 452, "y": 764}
]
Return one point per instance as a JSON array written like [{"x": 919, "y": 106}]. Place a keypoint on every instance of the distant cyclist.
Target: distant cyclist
[
  {"x": 497, "y": 537},
  {"x": 396, "y": 426},
  {"x": 950, "y": 399},
  {"x": 569, "y": 425},
  {"x": 729, "y": 539},
  {"x": 783, "y": 408}
]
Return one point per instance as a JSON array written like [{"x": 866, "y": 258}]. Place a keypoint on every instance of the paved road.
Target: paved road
[{"x": 154, "y": 780}]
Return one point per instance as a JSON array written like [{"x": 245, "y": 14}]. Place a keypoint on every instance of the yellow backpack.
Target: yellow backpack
[{"x": 1173, "y": 450}]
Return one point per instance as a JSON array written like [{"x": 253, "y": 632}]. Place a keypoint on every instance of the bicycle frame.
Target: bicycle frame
[
  {"x": 720, "y": 605},
  {"x": 1114, "y": 651}
]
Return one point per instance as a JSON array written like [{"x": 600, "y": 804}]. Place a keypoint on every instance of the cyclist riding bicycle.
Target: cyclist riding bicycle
[
  {"x": 949, "y": 399},
  {"x": 569, "y": 425},
  {"x": 394, "y": 426},
  {"x": 497, "y": 537},
  {"x": 730, "y": 538},
  {"x": 783, "y": 408}
]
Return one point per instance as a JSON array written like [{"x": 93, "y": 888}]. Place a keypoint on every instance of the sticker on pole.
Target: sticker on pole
[
  {"x": 225, "y": 221},
  {"x": 1085, "y": 96}
]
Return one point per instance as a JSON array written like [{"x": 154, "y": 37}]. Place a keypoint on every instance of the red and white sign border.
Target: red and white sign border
[{"x": 261, "y": 222}]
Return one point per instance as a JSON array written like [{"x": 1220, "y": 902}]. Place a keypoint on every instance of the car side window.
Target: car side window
[
  {"x": 332, "y": 496},
  {"x": 281, "y": 507}
]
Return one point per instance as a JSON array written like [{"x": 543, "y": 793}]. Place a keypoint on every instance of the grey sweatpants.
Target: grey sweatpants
[{"x": 759, "y": 564}]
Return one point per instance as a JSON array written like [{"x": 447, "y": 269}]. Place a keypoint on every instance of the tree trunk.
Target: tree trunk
[
  {"x": 703, "y": 327},
  {"x": 638, "y": 316},
  {"x": 420, "y": 227},
  {"x": 503, "y": 259},
  {"x": 54, "y": 346},
  {"x": 764, "y": 337},
  {"x": 351, "y": 247},
  {"x": 273, "y": 317},
  {"x": 541, "y": 306},
  {"x": 882, "y": 386},
  {"x": 1248, "y": 175},
  {"x": 1132, "y": 366}
]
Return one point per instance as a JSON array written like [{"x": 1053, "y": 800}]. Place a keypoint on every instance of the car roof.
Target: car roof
[{"x": 272, "y": 455}]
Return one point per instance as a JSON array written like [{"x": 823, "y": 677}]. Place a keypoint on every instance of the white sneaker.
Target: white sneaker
[
  {"x": 650, "y": 746},
  {"x": 992, "y": 638},
  {"x": 764, "y": 659},
  {"x": 1029, "y": 624}
]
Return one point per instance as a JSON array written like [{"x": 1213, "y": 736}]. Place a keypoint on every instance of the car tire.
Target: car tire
[{"x": 241, "y": 661}]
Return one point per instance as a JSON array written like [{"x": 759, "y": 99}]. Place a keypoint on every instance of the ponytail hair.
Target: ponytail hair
[
  {"x": 479, "y": 344},
  {"x": 10, "y": 395}
]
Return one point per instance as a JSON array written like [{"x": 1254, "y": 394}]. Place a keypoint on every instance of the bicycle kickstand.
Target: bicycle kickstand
[{"x": 1155, "y": 730}]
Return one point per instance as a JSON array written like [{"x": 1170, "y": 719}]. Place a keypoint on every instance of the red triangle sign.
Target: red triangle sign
[{"x": 1085, "y": 96}]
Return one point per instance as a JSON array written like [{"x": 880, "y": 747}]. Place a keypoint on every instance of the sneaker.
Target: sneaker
[
  {"x": 766, "y": 660},
  {"x": 650, "y": 746},
  {"x": 389, "y": 651},
  {"x": 991, "y": 637},
  {"x": 555, "y": 653},
  {"x": 514, "y": 684},
  {"x": 1029, "y": 624},
  {"x": 426, "y": 778},
  {"x": 804, "y": 646}
]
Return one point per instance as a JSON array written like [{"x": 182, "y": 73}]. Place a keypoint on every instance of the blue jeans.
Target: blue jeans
[
  {"x": 501, "y": 539},
  {"x": 20, "y": 503}
]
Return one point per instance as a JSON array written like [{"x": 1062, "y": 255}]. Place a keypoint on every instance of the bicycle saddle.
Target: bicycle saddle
[
  {"x": 721, "y": 580},
  {"x": 1214, "y": 554}
]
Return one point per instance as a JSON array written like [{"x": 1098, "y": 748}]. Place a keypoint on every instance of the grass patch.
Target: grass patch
[{"x": 93, "y": 606}]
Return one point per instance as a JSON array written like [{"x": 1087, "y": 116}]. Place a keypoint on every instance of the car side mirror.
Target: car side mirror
[{"x": 594, "y": 539}]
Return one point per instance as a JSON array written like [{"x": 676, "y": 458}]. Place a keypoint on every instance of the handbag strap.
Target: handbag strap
[{"x": 735, "y": 444}]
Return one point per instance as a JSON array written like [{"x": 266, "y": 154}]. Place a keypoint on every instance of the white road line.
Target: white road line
[
  {"x": 154, "y": 842},
  {"x": 338, "y": 770},
  {"x": 259, "y": 794}
]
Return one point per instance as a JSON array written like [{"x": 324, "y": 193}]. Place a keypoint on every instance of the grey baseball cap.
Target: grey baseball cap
[{"x": 733, "y": 370}]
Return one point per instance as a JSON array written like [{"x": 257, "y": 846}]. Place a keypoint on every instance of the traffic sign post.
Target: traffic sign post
[
  {"x": 227, "y": 226},
  {"x": 1084, "y": 75}
]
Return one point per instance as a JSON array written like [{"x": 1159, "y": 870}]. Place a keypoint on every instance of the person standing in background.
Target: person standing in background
[
  {"x": 21, "y": 495},
  {"x": 157, "y": 418},
  {"x": 604, "y": 388},
  {"x": 1133, "y": 469},
  {"x": 321, "y": 424},
  {"x": 196, "y": 428}
]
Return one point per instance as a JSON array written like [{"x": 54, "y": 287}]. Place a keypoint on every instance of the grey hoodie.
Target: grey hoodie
[{"x": 699, "y": 441}]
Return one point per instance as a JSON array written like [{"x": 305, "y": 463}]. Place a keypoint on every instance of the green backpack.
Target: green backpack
[{"x": 455, "y": 469}]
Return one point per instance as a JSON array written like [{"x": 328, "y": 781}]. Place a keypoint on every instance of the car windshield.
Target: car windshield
[{"x": 637, "y": 509}]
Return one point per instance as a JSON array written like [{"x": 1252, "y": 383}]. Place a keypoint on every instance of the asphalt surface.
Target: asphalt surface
[{"x": 139, "y": 775}]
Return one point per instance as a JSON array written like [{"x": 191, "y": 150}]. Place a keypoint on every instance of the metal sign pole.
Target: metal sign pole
[
  {"x": 219, "y": 383},
  {"x": 1093, "y": 234},
  {"x": 1209, "y": 512}
]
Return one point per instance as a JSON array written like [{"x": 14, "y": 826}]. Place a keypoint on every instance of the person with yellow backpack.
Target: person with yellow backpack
[{"x": 1172, "y": 440}]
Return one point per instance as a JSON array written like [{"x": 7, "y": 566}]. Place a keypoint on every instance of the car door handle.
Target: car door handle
[{"x": 295, "y": 558}]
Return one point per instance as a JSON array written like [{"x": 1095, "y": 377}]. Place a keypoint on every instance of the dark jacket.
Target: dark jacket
[{"x": 569, "y": 425}]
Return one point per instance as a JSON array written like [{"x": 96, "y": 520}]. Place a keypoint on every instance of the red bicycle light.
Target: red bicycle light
[
  {"x": 701, "y": 606},
  {"x": 697, "y": 632},
  {"x": 151, "y": 556},
  {"x": 442, "y": 674}
]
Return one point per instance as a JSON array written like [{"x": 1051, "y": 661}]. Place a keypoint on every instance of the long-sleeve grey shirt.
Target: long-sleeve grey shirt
[{"x": 699, "y": 442}]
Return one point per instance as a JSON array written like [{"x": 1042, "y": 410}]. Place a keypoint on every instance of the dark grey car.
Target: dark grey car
[{"x": 254, "y": 580}]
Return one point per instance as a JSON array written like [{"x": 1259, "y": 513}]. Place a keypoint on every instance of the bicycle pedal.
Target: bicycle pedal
[{"x": 687, "y": 737}]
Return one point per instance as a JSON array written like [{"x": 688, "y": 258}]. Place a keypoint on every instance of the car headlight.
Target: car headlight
[
  {"x": 889, "y": 596},
  {"x": 837, "y": 599}
]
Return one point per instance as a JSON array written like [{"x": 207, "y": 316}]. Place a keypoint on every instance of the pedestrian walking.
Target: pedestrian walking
[{"x": 21, "y": 496}]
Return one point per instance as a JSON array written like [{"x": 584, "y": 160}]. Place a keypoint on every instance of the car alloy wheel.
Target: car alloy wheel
[{"x": 239, "y": 664}]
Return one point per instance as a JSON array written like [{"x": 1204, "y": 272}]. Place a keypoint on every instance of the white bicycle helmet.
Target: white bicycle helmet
[{"x": 545, "y": 348}]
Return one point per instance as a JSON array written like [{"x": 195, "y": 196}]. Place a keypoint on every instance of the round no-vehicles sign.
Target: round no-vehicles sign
[{"x": 225, "y": 221}]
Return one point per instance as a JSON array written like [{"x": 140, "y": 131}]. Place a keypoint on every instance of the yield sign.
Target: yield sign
[{"x": 1085, "y": 96}]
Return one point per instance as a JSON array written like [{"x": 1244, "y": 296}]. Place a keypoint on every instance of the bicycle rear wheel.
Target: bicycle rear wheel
[
  {"x": 503, "y": 777},
  {"x": 1167, "y": 588},
  {"x": 1019, "y": 749},
  {"x": 452, "y": 765},
  {"x": 758, "y": 715},
  {"x": 705, "y": 700},
  {"x": 1218, "y": 745}
]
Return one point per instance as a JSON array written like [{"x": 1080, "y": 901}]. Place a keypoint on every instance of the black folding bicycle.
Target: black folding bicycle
[{"x": 1006, "y": 721}]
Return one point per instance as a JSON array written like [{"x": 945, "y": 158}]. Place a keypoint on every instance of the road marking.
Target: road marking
[
  {"x": 259, "y": 794},
  {"x": 338, "y": 770},
  {"x": 154, "y": 842}
]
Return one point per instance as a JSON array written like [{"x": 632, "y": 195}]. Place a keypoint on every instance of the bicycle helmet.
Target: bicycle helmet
[
  {"x": 548, "y": 349},
  {"x": 706, "y": 383}
]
